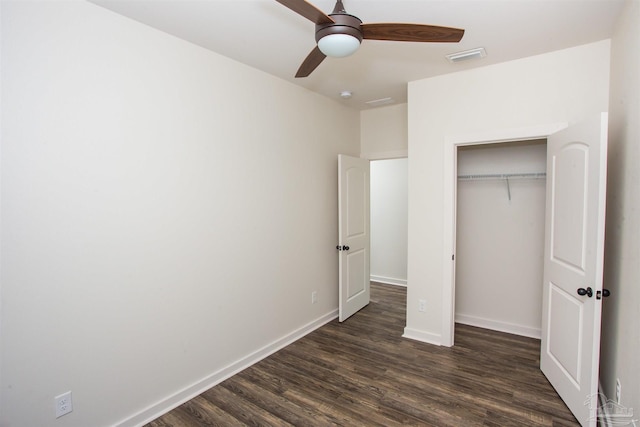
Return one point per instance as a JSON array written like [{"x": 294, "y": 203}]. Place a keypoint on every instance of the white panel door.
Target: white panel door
[
  {"x": 353, "y": 234},
  {"x": 573, "y": 263}
]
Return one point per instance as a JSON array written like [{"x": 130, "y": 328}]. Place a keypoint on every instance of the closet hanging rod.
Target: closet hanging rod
[{"x": 534, "y": 175}]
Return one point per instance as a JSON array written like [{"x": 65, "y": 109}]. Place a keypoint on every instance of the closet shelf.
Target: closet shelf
[
  {"x": 534, "y": 175},
  {"x": 503, "y": 176}
]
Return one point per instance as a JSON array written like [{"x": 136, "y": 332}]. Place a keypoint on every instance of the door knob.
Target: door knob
[
  {"x": 588, "y": 292},
  {"x": 345, "y": 248},
  {"x": 605, "y": 293}
]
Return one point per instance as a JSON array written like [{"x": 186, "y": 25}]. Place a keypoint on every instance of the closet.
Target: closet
[{"x": 500, "y": 218}]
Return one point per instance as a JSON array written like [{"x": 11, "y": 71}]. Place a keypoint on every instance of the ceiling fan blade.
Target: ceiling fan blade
[
  {"x": 412, "y": 33},
  {"x": 311, "y": 62},
  {"x": 306, "y": 9}
]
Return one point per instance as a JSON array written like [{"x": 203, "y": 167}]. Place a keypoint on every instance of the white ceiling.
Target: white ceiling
[{"x": 268, "y": 36}]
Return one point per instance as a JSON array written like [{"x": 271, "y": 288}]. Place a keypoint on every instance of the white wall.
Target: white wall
[
  {"x": 389, "y": 207},
  {"x": 383, "y": 133},
  {"x": 620, "y": 326},
  {"x": 500, "y": 240},
  {"x": 562, "y": 86},
  {"x": 166, "y": 214}
]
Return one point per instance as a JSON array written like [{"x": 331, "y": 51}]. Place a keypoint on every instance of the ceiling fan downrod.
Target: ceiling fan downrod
[{"x": 339, "y": 8}]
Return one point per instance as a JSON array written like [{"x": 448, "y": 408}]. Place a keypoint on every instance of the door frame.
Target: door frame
[{"x": 450, "y": 175}]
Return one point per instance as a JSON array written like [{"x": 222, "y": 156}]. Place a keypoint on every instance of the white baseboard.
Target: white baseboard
[
  {"x": 156, "y": 410},
  {"x": 388, "y": 280},
  {"x": 496, "y": 325},
  {"x": 426, "y": 337}
]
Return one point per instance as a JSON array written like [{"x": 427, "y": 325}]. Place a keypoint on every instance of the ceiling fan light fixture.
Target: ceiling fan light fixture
[{"x": 338, "y": 45}]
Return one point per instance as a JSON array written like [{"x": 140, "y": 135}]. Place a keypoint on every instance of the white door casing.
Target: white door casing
[
  {"x": 573, "y": 260},
  {"x": 353, "y": 235}
]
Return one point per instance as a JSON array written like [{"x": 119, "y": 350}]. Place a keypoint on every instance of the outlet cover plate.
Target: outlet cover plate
[{"x": 64, "y": 404}]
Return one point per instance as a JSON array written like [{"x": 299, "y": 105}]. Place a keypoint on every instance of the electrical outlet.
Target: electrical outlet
[
  {"x": 314, "y": 297},
  {"x": 422, "y": 305},
  {"x": 618, "y": 391},
  {"x": 64, "y": 404}
]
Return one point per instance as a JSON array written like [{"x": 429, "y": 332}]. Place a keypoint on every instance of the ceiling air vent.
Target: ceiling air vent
[
  {"x": 465, "y": 55},
  {"x": 379, "y": 102}
]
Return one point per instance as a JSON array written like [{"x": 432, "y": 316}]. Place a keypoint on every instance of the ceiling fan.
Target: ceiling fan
[{"x": 339, "y": 34}]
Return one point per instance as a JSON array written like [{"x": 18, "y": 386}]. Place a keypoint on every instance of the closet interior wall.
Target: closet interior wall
[{"x": 501, "y": 194}]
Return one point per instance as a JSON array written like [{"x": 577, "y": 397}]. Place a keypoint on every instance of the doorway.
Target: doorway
[
  {"x": 389, "y": 212},
  {"x": 500, "y": 224},
  {"x": 452, "y": 143},
  {"x": 362, "y": 196}
]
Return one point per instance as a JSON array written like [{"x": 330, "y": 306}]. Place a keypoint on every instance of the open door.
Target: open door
[
  {"x": 353, "y": 234},
  {"x": 573, "y": 264}
]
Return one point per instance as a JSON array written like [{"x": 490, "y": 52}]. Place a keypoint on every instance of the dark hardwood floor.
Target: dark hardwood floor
[{"x": 363, "y": 373}]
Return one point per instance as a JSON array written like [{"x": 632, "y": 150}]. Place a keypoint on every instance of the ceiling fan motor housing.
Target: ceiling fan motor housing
[{"x": 344, "y": 24}]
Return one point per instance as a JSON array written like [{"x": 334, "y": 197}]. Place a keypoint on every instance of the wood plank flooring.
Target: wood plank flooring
[{"x": 363, "y": 373}]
